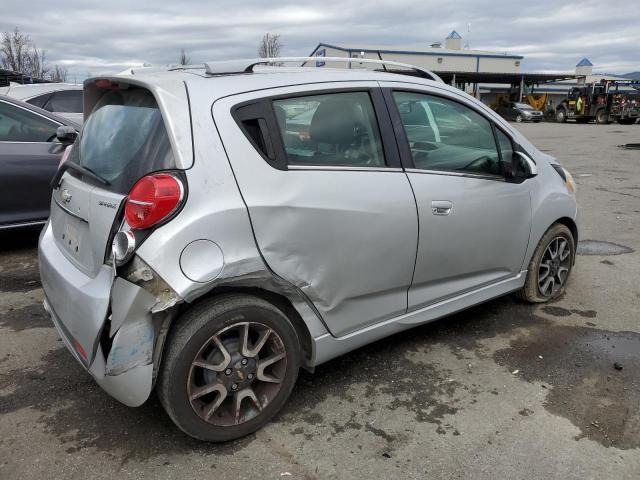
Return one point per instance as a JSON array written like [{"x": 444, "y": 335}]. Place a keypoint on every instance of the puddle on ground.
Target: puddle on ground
[
  {"x": 600, "y": 247},
  {"x": 580, "y": 364},
  {"x": 31, "y": 316}
]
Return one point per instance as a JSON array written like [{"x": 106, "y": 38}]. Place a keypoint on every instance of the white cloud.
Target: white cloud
[{"x": 111, "y": 36}]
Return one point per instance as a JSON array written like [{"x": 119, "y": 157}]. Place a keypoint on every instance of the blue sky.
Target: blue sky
[{"x": 100, "y": 37}]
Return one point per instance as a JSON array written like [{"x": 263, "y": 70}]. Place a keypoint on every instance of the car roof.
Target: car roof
[
  {"x": 40, "y": 111},
  {"x": 176, "y": 87},
  {"x": 260, "y": 79},
  {"x": 25, "y": 92}
]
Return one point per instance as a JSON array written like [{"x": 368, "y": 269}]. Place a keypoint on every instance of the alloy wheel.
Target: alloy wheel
[
  {"x": 554, "y": 267},
  {"x": 236, "y": 373}
]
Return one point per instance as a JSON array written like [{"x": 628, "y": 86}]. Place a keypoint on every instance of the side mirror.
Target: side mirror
[
  {"x": 524, "y": 166},
  {"x": 66, "y": 135}
]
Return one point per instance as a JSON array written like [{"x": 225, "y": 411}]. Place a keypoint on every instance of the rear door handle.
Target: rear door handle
[{"x": 441, "y": 207}]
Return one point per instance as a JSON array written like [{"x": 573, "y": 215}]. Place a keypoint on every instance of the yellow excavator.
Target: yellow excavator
[{"x": 537, "y": 100}]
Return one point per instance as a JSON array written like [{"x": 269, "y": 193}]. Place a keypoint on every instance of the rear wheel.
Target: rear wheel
[
  {"x": 561, "y": 115},
  {"x": 230, "y": 364},
  {"x": 602, "y": 117},
  {"x": 550, "y": 266}
]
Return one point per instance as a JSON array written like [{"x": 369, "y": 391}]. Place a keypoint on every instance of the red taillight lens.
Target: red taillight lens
[{"x": 152, "y": 199}]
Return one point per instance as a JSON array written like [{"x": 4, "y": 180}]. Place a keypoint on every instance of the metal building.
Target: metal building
[{"x": 451, "y": 57}]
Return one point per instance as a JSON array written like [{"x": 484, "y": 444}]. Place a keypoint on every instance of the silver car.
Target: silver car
[
  {"x": 63, "y": 99},
  {"x": 215, "y": 229}
]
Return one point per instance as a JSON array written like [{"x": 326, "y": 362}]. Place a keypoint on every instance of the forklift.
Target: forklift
[{"x": 603, "y": 102}]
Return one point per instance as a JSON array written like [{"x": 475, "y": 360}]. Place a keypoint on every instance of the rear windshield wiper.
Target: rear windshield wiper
[{"x": 55, "y": 182}]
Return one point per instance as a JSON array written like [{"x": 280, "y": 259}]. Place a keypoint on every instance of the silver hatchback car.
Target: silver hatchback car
[{"x": 216, "y": 228}]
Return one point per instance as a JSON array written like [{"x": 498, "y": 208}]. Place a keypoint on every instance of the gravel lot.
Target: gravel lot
[{"x": 503, "y": 390}]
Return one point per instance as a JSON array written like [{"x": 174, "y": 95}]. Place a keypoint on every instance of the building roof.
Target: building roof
[
  {"x": 529, "y": 78},
  {"x": 415, "y": 50},
  {"x": 585, "y": 62},
  {"x": 454, "y": 35}
]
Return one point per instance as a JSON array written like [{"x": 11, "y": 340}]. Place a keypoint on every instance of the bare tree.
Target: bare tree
[
  {"x": 183, "y": 59},
  {"x": 37, "y": 66},
  {"x": 14, "y": 48},
  {"x": 270, "y": 46},
  {"x": 20, "y": 54},
  {"x": 59, "y": 74}
]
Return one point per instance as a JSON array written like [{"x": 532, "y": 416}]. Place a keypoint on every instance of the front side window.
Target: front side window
[
  {"x": 338, "y": 129},
  {"x": 445, "y": 135},
  {"x": 20, "y": 125}
]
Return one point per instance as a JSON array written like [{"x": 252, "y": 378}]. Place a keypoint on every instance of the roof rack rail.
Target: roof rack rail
[{"x": 227, "y": 67}]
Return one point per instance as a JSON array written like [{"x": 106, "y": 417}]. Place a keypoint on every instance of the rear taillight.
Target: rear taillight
[{"x": 152, "y": 199}]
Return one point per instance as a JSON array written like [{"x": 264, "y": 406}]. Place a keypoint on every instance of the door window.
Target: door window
[
  {"x": 66, "y": 101},
  {"x": 20, "y": 125},
  {"x": 338, "y": 129},
  {"x": 445, "y": 135}
]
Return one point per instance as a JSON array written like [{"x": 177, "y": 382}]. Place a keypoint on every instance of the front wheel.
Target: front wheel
[
  {"x": 230, "y": 365},
  {"x": 519, "y": 118},
  {"x": 550, "y": 266}
]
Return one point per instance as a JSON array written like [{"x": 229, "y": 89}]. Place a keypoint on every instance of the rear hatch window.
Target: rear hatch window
[{"x": 124, "y": 139}]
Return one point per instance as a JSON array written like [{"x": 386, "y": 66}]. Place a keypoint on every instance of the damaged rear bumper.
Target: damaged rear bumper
[
  {"x": 106, "y": 323},
  {"x": 126, "y": 372},
  {"x": 131, "y": 387}
]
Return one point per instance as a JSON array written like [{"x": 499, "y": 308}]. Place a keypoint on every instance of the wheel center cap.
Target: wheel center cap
[{"x": 240, "y": 374}]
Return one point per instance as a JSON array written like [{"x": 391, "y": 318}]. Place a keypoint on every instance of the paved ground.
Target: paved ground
[{"x": 503, "y": 390}]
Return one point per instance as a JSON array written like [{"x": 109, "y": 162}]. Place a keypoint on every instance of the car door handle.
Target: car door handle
[{"x": 441, "y": 207}]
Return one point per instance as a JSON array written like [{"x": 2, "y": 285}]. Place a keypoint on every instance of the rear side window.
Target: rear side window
[
  {"x": 338, "y": 129},
  {"x": 40, "y": 100},
  {"x": 20, "y": 125},
  {"x": 124, "y": 139},
  {"x": 445, "y": 135},
  {"x": 66, "y": 101}
]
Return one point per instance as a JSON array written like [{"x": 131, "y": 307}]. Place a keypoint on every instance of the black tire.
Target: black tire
[
  {"x": 601, "y": 117},
  {"x": 531, "y": 292},
  {"x": 561, "y": 115},
  {"x": 188, "y": 335},
  {"x": 519, "y": 118}
]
